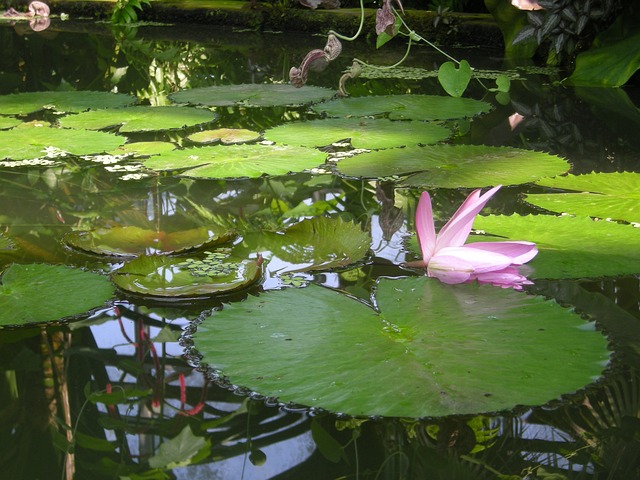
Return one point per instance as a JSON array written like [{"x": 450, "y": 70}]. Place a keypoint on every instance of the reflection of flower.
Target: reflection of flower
[{"x": 447, "y": 258}]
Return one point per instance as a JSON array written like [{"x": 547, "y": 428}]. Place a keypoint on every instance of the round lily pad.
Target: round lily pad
[
  {"x": 74, "y": 101},
  {"x": 605, "y": 195},
  {"x": 236, "y": 161},
  {"x": 363, "y": 133},
  {"x": 132, "y": 240},
  {"x": 139, "y": 118},
  {"x": 35, "y": 293},
  {"x": 226, "y": 136},
  {"x": 431, "y": 350},
  {"x": 144, "y": 148},
  {"x": 407, "y": 107},
  {"x": 28, "y": 142},
  {"x": 454, "y": 166},
  {"x": 206, "y": 274},
  {"x": 252, "y": 95},
  {"x": 8, "y": 122}
]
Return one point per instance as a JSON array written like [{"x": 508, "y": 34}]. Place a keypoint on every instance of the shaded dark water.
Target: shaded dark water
[{"x": 50, "y": 424}]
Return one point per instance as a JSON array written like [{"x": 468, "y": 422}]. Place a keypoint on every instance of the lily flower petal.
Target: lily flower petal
[
  {"x": 506, "y": 278},
  {"x": 458, "y": 228},
  {"x": 425, "y": 228},
  {"x": 450, "y": 269},
  {"x": 519, "y": 252},
  {"x": 480, "y": 260}
]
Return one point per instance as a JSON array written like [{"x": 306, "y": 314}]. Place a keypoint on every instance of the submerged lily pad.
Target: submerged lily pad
[
  {"x": 453, "y": 166},
  {"x": 252, "y": 95},
  {"x": 226, "y": 136},
  {"x": 569, "y": 247},
  {"x": 34, "y": 293},
  {"x": 140, "y": 118},
  {"x": 34, "y": 142},
  {"x": 74, "y": 101},
  {"x": 605, "y": 195},
  {"x": 411, "y": 107},
  {"x": 132, "y": 240},
  {"x": 235, "y": 161},
  {"x": 8, "y": 122},
  {"x": 433, "y": 349},
  {"x": 364, "y": 133},
  {"x": 206, "y": 274},
  {"x": 319, "y": 243}
]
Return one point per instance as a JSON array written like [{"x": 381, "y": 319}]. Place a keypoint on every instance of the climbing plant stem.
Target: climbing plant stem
[{"x": 351, "y": 39}]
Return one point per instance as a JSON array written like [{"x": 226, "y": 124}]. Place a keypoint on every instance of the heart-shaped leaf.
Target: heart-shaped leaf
[{"x": 454, "y": 80}]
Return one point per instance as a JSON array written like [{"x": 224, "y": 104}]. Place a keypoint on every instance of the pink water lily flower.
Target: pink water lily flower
[{"x": 446, "y": 257}]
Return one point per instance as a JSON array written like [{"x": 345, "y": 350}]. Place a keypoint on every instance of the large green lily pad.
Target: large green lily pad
[
  {"x": 319, "y": 243},
  {"x": 364, "y": 133},
  {"x": 236, "y": 161},
  {"x": 432, "y": 350},
  {"x": 569, "y": 247},
  {"x": 28, "y": 142},
  {"x": 206, "y": 274},
  {"x": 8, "y": 122},
  {"x": 140, "y": 118},
  {"x": 133, "y": 241},
  {"x": 453, "y": 166},
  {"x": 605, "y": 195},
  {"x": 411, "y": 107},
  {"x": 35, "y": 293},
  {"x": 252, "y": 95},
  {"x": 25, "y": 103}
]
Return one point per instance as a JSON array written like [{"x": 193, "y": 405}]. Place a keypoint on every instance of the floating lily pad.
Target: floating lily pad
[
  {"x": 453, "y": 166},
  {"x": 252, "y": 95},
  {"x": 364, "y": 133},
  {"x": 33, "y": 142},
  {"x": 408, "y": 107},
  {"x": 144, "y": 148},
  {"x": 235, "y": 161},
  {"x": 132, "y": 240},
  {"x": 226, "y": 136},
  {"x": 8, "y": 122},
  {"x": 139, "y": 118},
  {"x": 432, "y": 350},
  {"x": 319, "y": 243},
  {"x": 605, "y": 195},
  {"x": 206, "y": 274},
  {"x": 35, "y": 293},
  {"x": 25, "y": 103},
  {"x": 570, "y": 247}
]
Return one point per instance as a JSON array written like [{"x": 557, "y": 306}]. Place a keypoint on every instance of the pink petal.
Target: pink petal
[
  {"x": 519, "y": 252},
  {"x": 479, "y": 260},
  {"x": 457, "y": 229},
  {"x": 450, "y": 269},
  {"x": 425, "y": 228}
]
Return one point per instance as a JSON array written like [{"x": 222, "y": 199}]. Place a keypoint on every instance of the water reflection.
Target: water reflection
[{"x": 98, "y": 398}]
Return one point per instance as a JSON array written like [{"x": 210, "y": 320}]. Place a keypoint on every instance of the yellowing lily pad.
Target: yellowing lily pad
[
  {"x": 604, "y": 195},
  {"x": 236, "y": 161},
  {"x": 132, "y": 240},
  {"x": 428, "y": 350},
  {"x": 206, "y": 274},
  {"x": 226, "y": 136},
  {"x": 407, "y": 107},
  {"x": 74, "y": 101},
  {"x": 363, "y": 133},
  {"x": 454, "y": 166},
  {"x": 62, "y": 293},
  {"x": 252, "y": 95},
  {"x": 139, "y": 118}
]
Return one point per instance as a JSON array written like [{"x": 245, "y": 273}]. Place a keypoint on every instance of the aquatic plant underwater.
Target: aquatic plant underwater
[{"x": 221, "y": 234}]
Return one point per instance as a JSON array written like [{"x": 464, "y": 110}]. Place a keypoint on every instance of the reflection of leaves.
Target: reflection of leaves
[{"x": 181, "y": 450}]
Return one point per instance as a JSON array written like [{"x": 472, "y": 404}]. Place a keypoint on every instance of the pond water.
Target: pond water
[{"x": 117, "y": 393}]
